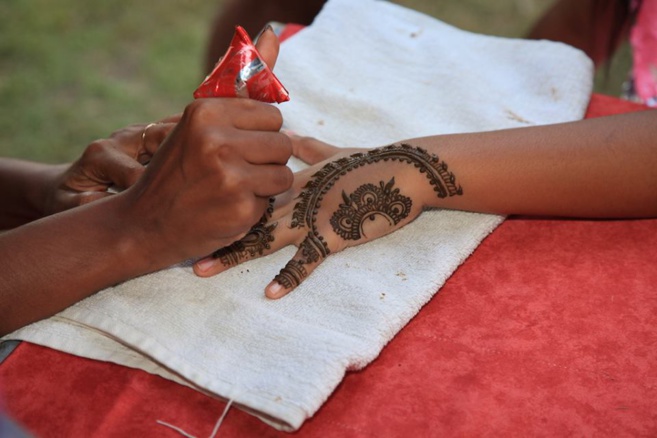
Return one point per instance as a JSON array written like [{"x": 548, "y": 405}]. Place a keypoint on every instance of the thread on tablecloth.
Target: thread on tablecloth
[
  {"x": 214, "y": 430},
  {"x": 177, "y": 429}
]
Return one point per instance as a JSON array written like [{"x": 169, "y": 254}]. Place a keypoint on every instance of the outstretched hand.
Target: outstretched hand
[{"x": 345, "y": 199}]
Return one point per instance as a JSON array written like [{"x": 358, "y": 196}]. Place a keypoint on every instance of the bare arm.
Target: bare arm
[
  {"x": 604, "y": 167},
  {"x": 23, "y": 190}
]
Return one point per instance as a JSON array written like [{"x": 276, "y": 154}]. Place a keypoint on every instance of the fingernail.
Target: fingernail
[
  {"x": 264, "y": 29},
  {"x": 274, "y": 289},
  {"x": 205, "y": 264},
  {"x": 289, "y": 132}
]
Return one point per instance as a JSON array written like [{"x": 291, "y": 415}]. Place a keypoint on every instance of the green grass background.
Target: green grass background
[{"x": 72, "y": 71}]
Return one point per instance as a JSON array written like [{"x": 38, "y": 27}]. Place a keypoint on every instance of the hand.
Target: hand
[
  {"x": 211, "y": 179},
  {"x": 350, "y": 199},
  {"x": 117, "y": 161}
]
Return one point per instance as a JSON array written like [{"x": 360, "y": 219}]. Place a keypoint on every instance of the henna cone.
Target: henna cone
[{"x": 241, "y": 72}]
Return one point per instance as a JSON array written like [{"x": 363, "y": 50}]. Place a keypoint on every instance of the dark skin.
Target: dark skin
[{"x": 33, "y": 190}]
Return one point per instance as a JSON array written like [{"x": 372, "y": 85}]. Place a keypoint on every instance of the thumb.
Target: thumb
[
  {"x": 268, "y": 46},
  {"x": 310, "y": 150}
]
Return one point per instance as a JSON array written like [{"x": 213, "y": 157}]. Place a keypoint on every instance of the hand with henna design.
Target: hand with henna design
[
  {"x": 596, "y": 168},
  {"x": 349, "y": 200}
]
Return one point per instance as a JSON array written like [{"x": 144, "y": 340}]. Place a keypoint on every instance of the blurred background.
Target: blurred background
[{"x": 72, "y": 71}]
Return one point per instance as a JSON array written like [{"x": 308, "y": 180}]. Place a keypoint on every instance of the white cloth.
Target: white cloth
[{"x": 366, "y": 73}]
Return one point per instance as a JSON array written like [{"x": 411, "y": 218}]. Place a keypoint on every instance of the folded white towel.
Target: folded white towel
[{"x": 366, "y": 73}]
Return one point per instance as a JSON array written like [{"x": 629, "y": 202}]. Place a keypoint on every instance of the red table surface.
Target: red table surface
[{"x": 548, "y": 329}]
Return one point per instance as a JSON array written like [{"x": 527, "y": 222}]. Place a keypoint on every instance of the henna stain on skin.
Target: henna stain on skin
[
  {"x": 366, "y": 202},
  {"x": 292, "y": 274},
  {"x": 369, "y": 202},
  {"x": 254, "y": 243}
]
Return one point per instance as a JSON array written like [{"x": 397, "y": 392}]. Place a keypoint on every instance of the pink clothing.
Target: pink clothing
[{"x": 643, "y": 39}]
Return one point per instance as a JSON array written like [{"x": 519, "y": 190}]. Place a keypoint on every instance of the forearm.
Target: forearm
[
  {"x": 49, "y": 264},
  {"x": 601, "y": 168},
  {"x": 23, "y": 190}
]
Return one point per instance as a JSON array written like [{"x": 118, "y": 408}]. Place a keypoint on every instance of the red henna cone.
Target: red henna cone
[{"x": 241, "y": 72}]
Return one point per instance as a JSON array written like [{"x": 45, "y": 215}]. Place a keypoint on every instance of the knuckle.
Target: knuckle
[
  {"x": 95, "y": 148},
  {"x": 200, "y": 111},
  {"x": 247, "y": 212},
  {"x": 223, "y": 149},
  {"x": 231, "y": 185}
]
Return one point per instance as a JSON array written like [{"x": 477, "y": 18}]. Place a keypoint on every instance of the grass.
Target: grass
[{"x": 72, "y": 71}]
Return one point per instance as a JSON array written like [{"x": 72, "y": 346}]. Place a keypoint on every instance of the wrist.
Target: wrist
[
  {"x": 142, "y": 239},
  {"x": 45, "y": 183},
  {"x": 26, "y": 187},
  {"x": 432, "y": 178}
]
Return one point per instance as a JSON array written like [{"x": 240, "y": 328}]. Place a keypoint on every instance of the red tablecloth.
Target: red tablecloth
[{"x": 549, "y": 328}]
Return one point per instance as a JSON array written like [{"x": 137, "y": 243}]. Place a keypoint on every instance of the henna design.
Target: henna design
[
  {"x": 436, "y": 171},
  {"x": 254, "y": 243},
  {"x": 292, "y": 274},
  {"x": 368, "y": 202}
]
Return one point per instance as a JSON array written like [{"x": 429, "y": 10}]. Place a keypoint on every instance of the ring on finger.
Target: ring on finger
[{"x": 143, "y": 134}]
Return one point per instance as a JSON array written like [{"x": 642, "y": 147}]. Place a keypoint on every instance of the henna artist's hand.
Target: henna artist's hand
[
  {"x": 117, "y": 161},
  {"x": 212, "y": 178},
  {"x": 352, "y": 199}
]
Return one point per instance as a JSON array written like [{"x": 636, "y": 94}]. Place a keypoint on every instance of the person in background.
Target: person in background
[
  {"x": 253, "y": 15},
  {"x": 599, "y": 27}
]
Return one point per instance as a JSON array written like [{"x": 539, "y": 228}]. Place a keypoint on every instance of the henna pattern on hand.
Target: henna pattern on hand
[
  {"x": 292, "y": 274},
  {"x": 369, "y": 202},
  {"x": 366, "y": 201},
  {"x": 254, "y": 243}
]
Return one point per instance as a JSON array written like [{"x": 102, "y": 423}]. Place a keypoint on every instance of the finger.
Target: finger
[
  {"x": 152, "y": 136},
  {"x": 270, "y": 180},
  {"x": 310, "y": 150},
  {"x": 257, "y": 147},
  {"x": 247, "y": 114},
  {"x": 310, "y": 255},
  {"x": 268, "y": 46},
  {"x": 116, "y": 168},
  {"x": 174, "y": 118},
  {"x": 262, "y": 240}
]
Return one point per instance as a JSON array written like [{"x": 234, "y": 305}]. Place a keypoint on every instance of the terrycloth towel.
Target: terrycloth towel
[{"x": 366, "y": 73}]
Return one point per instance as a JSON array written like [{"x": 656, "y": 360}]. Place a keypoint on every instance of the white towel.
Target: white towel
[{"x": 366, "y": 73}]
